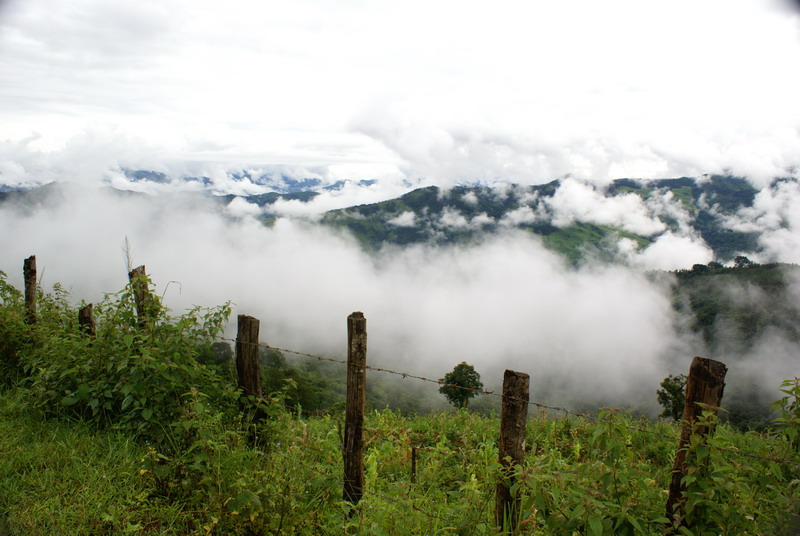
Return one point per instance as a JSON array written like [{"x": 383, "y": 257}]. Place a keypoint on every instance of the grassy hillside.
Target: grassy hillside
[
  {"x": 141, "y": 431},
  {"x": 584, "y": 476}
]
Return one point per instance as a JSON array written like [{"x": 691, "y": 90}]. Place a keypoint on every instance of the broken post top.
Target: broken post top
[
  {"x": 139, "y": 271},
  {"x": 709, "y": 370},
  {"x": 29, "y": 268},
  {"x": 248, "y": 327},
  {"x": 704, "y": 387},
  {"x": 357, "y": 324},
  {"x": 514, "y": 374}
]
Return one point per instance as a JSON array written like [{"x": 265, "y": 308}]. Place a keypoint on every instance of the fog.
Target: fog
[{"x": 505, "y": 303}]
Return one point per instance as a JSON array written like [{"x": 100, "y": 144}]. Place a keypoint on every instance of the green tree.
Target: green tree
[
  {"x": 672, "y": 396},
  {"x": 461, "y": 384}
]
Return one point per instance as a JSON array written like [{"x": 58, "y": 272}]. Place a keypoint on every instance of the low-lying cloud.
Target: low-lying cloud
[{"x": 604, "y": 333}]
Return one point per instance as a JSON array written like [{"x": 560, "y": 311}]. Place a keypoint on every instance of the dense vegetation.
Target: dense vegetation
[
  {"x": 141, "y": 431},
  {"x": 744, "y": 301},
  {"x": 736, "y": 311}
]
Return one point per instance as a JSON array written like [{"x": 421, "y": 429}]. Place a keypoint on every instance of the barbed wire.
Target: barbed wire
[
  {"x": 414, "y": 377},
  {"x": 482, "y": 392}
]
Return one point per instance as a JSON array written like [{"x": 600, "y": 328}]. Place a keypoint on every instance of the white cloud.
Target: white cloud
[
  {"x": 775, "y": 214},
  {"x": 453, "y": 218},
  {"x": 519, "y": 216},
  {"x": 672, "y": 252},
  {"x": 406, "y": 219},
  {"x": 576, "y": 201},
  {"x": 240, "y": 208},
  {"x": 542, "y": 94},
  {"x": 470, "y": 198}
]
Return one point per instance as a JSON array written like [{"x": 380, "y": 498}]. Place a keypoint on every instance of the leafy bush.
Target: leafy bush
[
  {"x": 789, "y": 409},
  {"x": 13, "y": 332},
  {"x": 130, "y": 376}
]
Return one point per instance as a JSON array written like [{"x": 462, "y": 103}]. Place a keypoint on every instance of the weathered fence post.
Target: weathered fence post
[
  {"x": 86, "y": 320},
  {"x": 513, "y": 417},
  {"x": 247, "y": 368},
  {"x": 141, "y": 294},
  {"x": 29, "y": 274},
  {"x": 704, "y": 385},
  {"x": 354, "y": 412},
  {"x": 414, "y": 464}
]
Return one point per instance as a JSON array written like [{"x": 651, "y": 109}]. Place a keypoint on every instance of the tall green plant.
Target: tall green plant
[
  {"x": 131, "y": 377},
  {"x": 14, "y": 333},
  {"x": 788, "y": 408}
]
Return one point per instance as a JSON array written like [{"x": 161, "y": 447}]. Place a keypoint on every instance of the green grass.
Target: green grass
[
  {"x": 62, "y": 477},
  {"x": 65, "y": 478},
  {"x": 575, "y": 241},
  {"x": 127, "y": 433}
]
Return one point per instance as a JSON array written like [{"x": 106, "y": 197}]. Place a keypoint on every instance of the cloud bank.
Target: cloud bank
[
  {"x": 521, "y": 91},
  {"x": 508, "y": 303},
  {"x": 602, "y": 334}
]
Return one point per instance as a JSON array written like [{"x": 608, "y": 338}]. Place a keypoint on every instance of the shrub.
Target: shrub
[{"x": 131, "y": 376}]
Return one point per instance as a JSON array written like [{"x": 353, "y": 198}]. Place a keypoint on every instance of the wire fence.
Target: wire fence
[{"x": 482, "y": 392}]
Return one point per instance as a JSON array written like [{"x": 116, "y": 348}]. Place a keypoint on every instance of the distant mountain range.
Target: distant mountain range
[
  {"x": 278, "y": 183},
  {"x": 464, "y": 213},
  {"x": 576, "y": 219}
]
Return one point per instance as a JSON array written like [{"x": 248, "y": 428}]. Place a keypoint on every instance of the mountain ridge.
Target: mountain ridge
[
  {"x": 462, "y": 213},
  {"x": 579, "y": 220}
]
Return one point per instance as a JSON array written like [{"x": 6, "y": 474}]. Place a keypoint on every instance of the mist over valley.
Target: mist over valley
[{"x": 571, "y": 282}]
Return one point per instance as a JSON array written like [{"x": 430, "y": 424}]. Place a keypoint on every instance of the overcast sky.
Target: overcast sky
[
  {"x": 439, "y": 92},
  {"x": 408, "y": 92}
]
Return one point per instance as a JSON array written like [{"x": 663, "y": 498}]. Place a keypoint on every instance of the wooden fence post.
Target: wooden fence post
[
  {"x": 414, "y": 464},
  {"x": 247, "y": 368},
  {"x": 141, "y": 294},
  {"x": 704, "y": 385},
  {"x": 86, "y": 320},
  {"x": 29, "y": 274},
  {"x": 354, "y": 412},
  {"x": 513, "y": 418}
]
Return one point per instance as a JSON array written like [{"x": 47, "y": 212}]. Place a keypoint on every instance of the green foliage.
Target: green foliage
[
  {"x": 596, "y": 483},
  {"x": 309, "y": 384},
  {"x": 723, "y": 493},
  {"x": 738, "y": 296},
  {"x": 196, "y": 464},
  {"x": 462, "y": 384},
  {"x": 131, "y": 377},
  {"x": 788, "y": 408},
  {"x": 672, "y": 396},
  {"x": 586, "y": 476},
  {"x": 585, "y": 240},
  {"x": 14, "y": 334}
]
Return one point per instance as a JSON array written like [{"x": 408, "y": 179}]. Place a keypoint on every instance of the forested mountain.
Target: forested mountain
[
  {"x": 734, "y": 305},
  {"x": 463, "y": 213}
]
